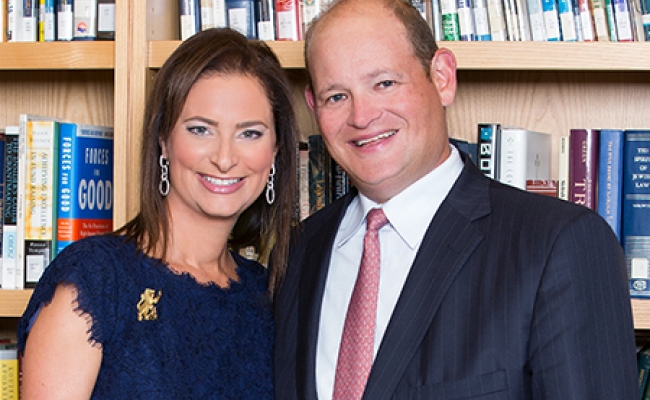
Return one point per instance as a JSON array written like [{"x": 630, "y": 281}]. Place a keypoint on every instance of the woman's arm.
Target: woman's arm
[{"x": 59, "y": 361}]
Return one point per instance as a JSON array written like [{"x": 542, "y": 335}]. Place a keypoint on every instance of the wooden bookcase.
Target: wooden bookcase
[{"x": 550, "y": 87}]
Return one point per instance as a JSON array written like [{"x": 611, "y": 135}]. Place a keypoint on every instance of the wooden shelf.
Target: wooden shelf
[
  {"x": 543, "y": 56},
  {"x": 57, "y": 55},
  {"x": 13, "y": 302}
]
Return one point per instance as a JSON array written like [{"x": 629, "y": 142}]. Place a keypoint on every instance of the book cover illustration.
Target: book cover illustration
[{"x": 85, "y": 190}]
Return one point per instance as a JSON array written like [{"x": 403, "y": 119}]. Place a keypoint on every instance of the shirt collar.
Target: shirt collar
[{"x": 411, "y": 211}]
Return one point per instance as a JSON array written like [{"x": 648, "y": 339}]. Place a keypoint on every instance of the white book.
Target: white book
[
  {"x": 85, "y": 19},
  {"x": 536, "y": 16},
  {"x": 189, "y": 17},
  {"x": 220, "y": 18},
  {"x": 523, "y": 155},
  {"x": 563, "y": 168},
  {"x": 207, "y": 14},
  {"x": 29, "y": 24},
  {"x": 3, "y": 27},
  {"x": 523, "y": 20},
  {"x": 14, "y": 20},
  {"x": 497, "y": 18},
  {"x": 481, "y": 20},
  {"x": 65, "y": 21}
]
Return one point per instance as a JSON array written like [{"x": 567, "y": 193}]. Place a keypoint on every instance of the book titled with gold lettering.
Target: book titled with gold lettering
[
  {"x": 85, "y": 182},
  {"x": 583, "y": 166}
]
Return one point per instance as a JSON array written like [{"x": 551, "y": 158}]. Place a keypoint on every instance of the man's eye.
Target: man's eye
[
  {"x": 385, "y": 84},
  {"x": 335, "y": 98}
]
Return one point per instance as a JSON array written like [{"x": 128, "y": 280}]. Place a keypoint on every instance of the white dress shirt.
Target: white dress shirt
[{"x": 409, "y": 214}]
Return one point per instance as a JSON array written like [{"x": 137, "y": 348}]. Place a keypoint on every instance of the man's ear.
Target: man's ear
[
  {"x": 309, "y": 98},
  {"x": 443, "y": 74}
]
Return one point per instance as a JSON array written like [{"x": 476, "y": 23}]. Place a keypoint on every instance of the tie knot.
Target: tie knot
[{"x": 376, "y": 219}]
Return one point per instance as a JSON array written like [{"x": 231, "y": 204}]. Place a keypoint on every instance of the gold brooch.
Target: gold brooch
[{"x": 147, "y": 305}]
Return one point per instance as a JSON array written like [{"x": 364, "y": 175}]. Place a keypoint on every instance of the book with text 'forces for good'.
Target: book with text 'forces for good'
[{"x": 85, "y": 187}]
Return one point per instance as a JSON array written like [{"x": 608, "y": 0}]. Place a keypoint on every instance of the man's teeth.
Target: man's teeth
[
  {"x": 221, "y": 182},
  {"x": 376, "y": 138}
]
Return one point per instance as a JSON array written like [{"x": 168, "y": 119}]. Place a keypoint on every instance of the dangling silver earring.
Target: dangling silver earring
[
  {"x": 270, "y": 190},
  {"x": 163, "y": 187}
]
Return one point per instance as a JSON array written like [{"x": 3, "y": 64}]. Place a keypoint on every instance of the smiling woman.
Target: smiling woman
[{"x": 165, "y": 307}]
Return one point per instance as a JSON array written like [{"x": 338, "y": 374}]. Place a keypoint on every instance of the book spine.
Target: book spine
[
  {"x": 551, "y": 20},
  {"x": 512, "y": 20},
  {"x": 486, "y": 151},
  {"x": 317, "y": 195},
  {"x": 567, "y": 21},
  {"x": 512, "y": 157},
  {"x": 610, "y": 177},
  {"x": 65, "y": 20},
  {"x": 241, "y": 17},
  {"x": 611, "y": 20},
  {"x": 635, "y": 232},
  {"x": 303, "y": 185},
  {"x": 583, "y": 165},
  {"x": 563, "y": 168},
  {"x": 623, "y": 20},
  {"x": 190, "y": 17},
  {"x": 523, "y": 20},
  {"x": 20, "y": 202},
  {"x": 2, "y": 191},
  {"x": 85, "y": 187},
  {"x": 466, "y": 20},
  {"x": 207, "y": 14},
  {"x": 586, "y": 21},
  {"x": 9, "y": 244},
  {"x": 450, "y": 20},
  {"x": 288, "y": 17},
  {"x": 265, "y": 20},
  {"x": 645, "y": 18},
  {"x": 105, "y": 19},
  {"x": 85, "y": 19},
  {"x": 40, "y": 197},
  {"x": 220, "y": 17},
  {"x": 9, "y": 373},
  {"x": 49, "y": 23},
  {"x": 497, "y": 20},
  {"x": 600, "y": 20},
  {"x": 536, "y": 15},
  {"x": 482, "y": 21},
  {"x": 340, "y": 180}
]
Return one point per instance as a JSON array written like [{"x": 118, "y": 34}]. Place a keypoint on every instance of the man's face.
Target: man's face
[{"x": 381, "y": 117}]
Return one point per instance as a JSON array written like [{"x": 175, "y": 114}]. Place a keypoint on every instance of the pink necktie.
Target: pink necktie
[{"x": 357, "y": 342}]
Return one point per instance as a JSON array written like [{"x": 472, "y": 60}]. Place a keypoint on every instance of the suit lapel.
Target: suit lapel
[
  {"x": 449, "y": 241},
  {"x": 312, "y": 285}
]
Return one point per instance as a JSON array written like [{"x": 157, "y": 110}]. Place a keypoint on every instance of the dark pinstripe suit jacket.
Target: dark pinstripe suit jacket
[{"x": 511, "y": 296}]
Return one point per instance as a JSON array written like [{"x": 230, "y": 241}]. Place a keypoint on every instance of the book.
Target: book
[
  {"x": 466, "y": 20},
  {"x": 3, "y": 21},
  {"x": 610, "y": 178},
  {"x": 567, "y": 21},
  {"x": 512, "y": 20},
  {"x": 14, "y": 19},
  {"x": 523, "y": 20},
  {"x": 317, "y": 172},
  {"x": 450, "y": 20},
  {"x": 636, "y": 15},
  {"x": 551, "y": 20},
  {"x": 288, "y": 20},
  {"x": 105, "y": 19},
  {"x": 303, "y": 180},
  {"x": 523, "y": 154},
  {"x": 340, "y": 181},
  {"x": 241, "y": 17},
  {"x": 190, "y": 18},
  {"x": 600, "y": 20},
  {"x": 623, "y": 20},
  {"x": 645, "y": 18},
  {"x": 482, "y": 20},
  {"x": 2, "y": 190},
  {"x": 583, "y": 166},
  {"x": 487, "y": 139},
  {"x": 563, "y": 168},
  {"x": 436, "y": 20},
  {"x": 265, "y": 19},
  {"x": 9, "y": 371},
  {"x": 546, "y": 187},
  {"x": 29, "y": 23},
  {"x": 41, "y": 169},
  {"x": 311, "y": 9},
  {"x": 9, "y": 212},
  {"x": 536, "y": 16},
  {"x": 635, "y": 229},
  {"x": 498, "y": 31},
  {"x": 586, "y": 21},
  {"x": 611, "y": 20},
  {"x": 207, "y": 14},
  {"x": 163, "y": 22},
  {"x": 85, "y": 19},
  {"x": 46, "y": 21},
  {"x": 85, "y": 182},
  {"x": 65, "y": 20}
]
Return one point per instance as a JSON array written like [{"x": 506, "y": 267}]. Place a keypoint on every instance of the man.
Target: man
[{"x": 484, "y": 291}]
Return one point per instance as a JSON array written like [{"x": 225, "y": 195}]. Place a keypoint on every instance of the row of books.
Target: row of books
[
  {"x": 58, "y": 188},
  {"x": 52, "y": 20},
  {"x": 257, "y": 19},
  {"x": 538, "y": 20},
  {"x": 468, "y": 20}
]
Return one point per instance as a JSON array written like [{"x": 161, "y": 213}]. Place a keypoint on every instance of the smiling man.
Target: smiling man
[{"x": 459, "y": 286}]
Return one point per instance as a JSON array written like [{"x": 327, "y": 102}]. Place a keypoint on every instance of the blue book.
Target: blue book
[
  {"x": 85, "y": 187},
  {"x": 190, "y": 18},
  {"x": 241, "y": 17},
  {"x": 635, "y": 231},
  {"x": 10, "y": 211},
  {"x": 610, "y": 176},
  {"x": 645, "y": 13},
  {"x": 487, "y": 148},
  {"x": 551, "y": 20}
]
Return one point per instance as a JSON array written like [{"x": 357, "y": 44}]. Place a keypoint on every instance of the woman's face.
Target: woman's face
[{"x": 221, "y": 149}]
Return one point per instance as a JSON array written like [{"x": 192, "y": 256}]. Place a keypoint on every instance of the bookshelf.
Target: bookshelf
[{"x": 550, "y": 87}]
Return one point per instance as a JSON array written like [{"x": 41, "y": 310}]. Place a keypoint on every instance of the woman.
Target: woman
[{"x": 165, "y": 308}]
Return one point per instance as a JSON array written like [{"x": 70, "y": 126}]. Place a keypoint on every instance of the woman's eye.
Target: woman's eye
[
  {"x": 251, "y": 134},
  {"x": 198, "y": 130}
]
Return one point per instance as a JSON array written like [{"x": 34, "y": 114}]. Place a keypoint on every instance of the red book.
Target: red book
[
  {"x": 583, "y": 166},
  {"x": 546, "y": 187},
  {"x": 288, "y": 17}
]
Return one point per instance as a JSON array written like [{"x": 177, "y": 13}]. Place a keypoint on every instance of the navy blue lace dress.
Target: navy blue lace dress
[{"x": 196, "y": 342}]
